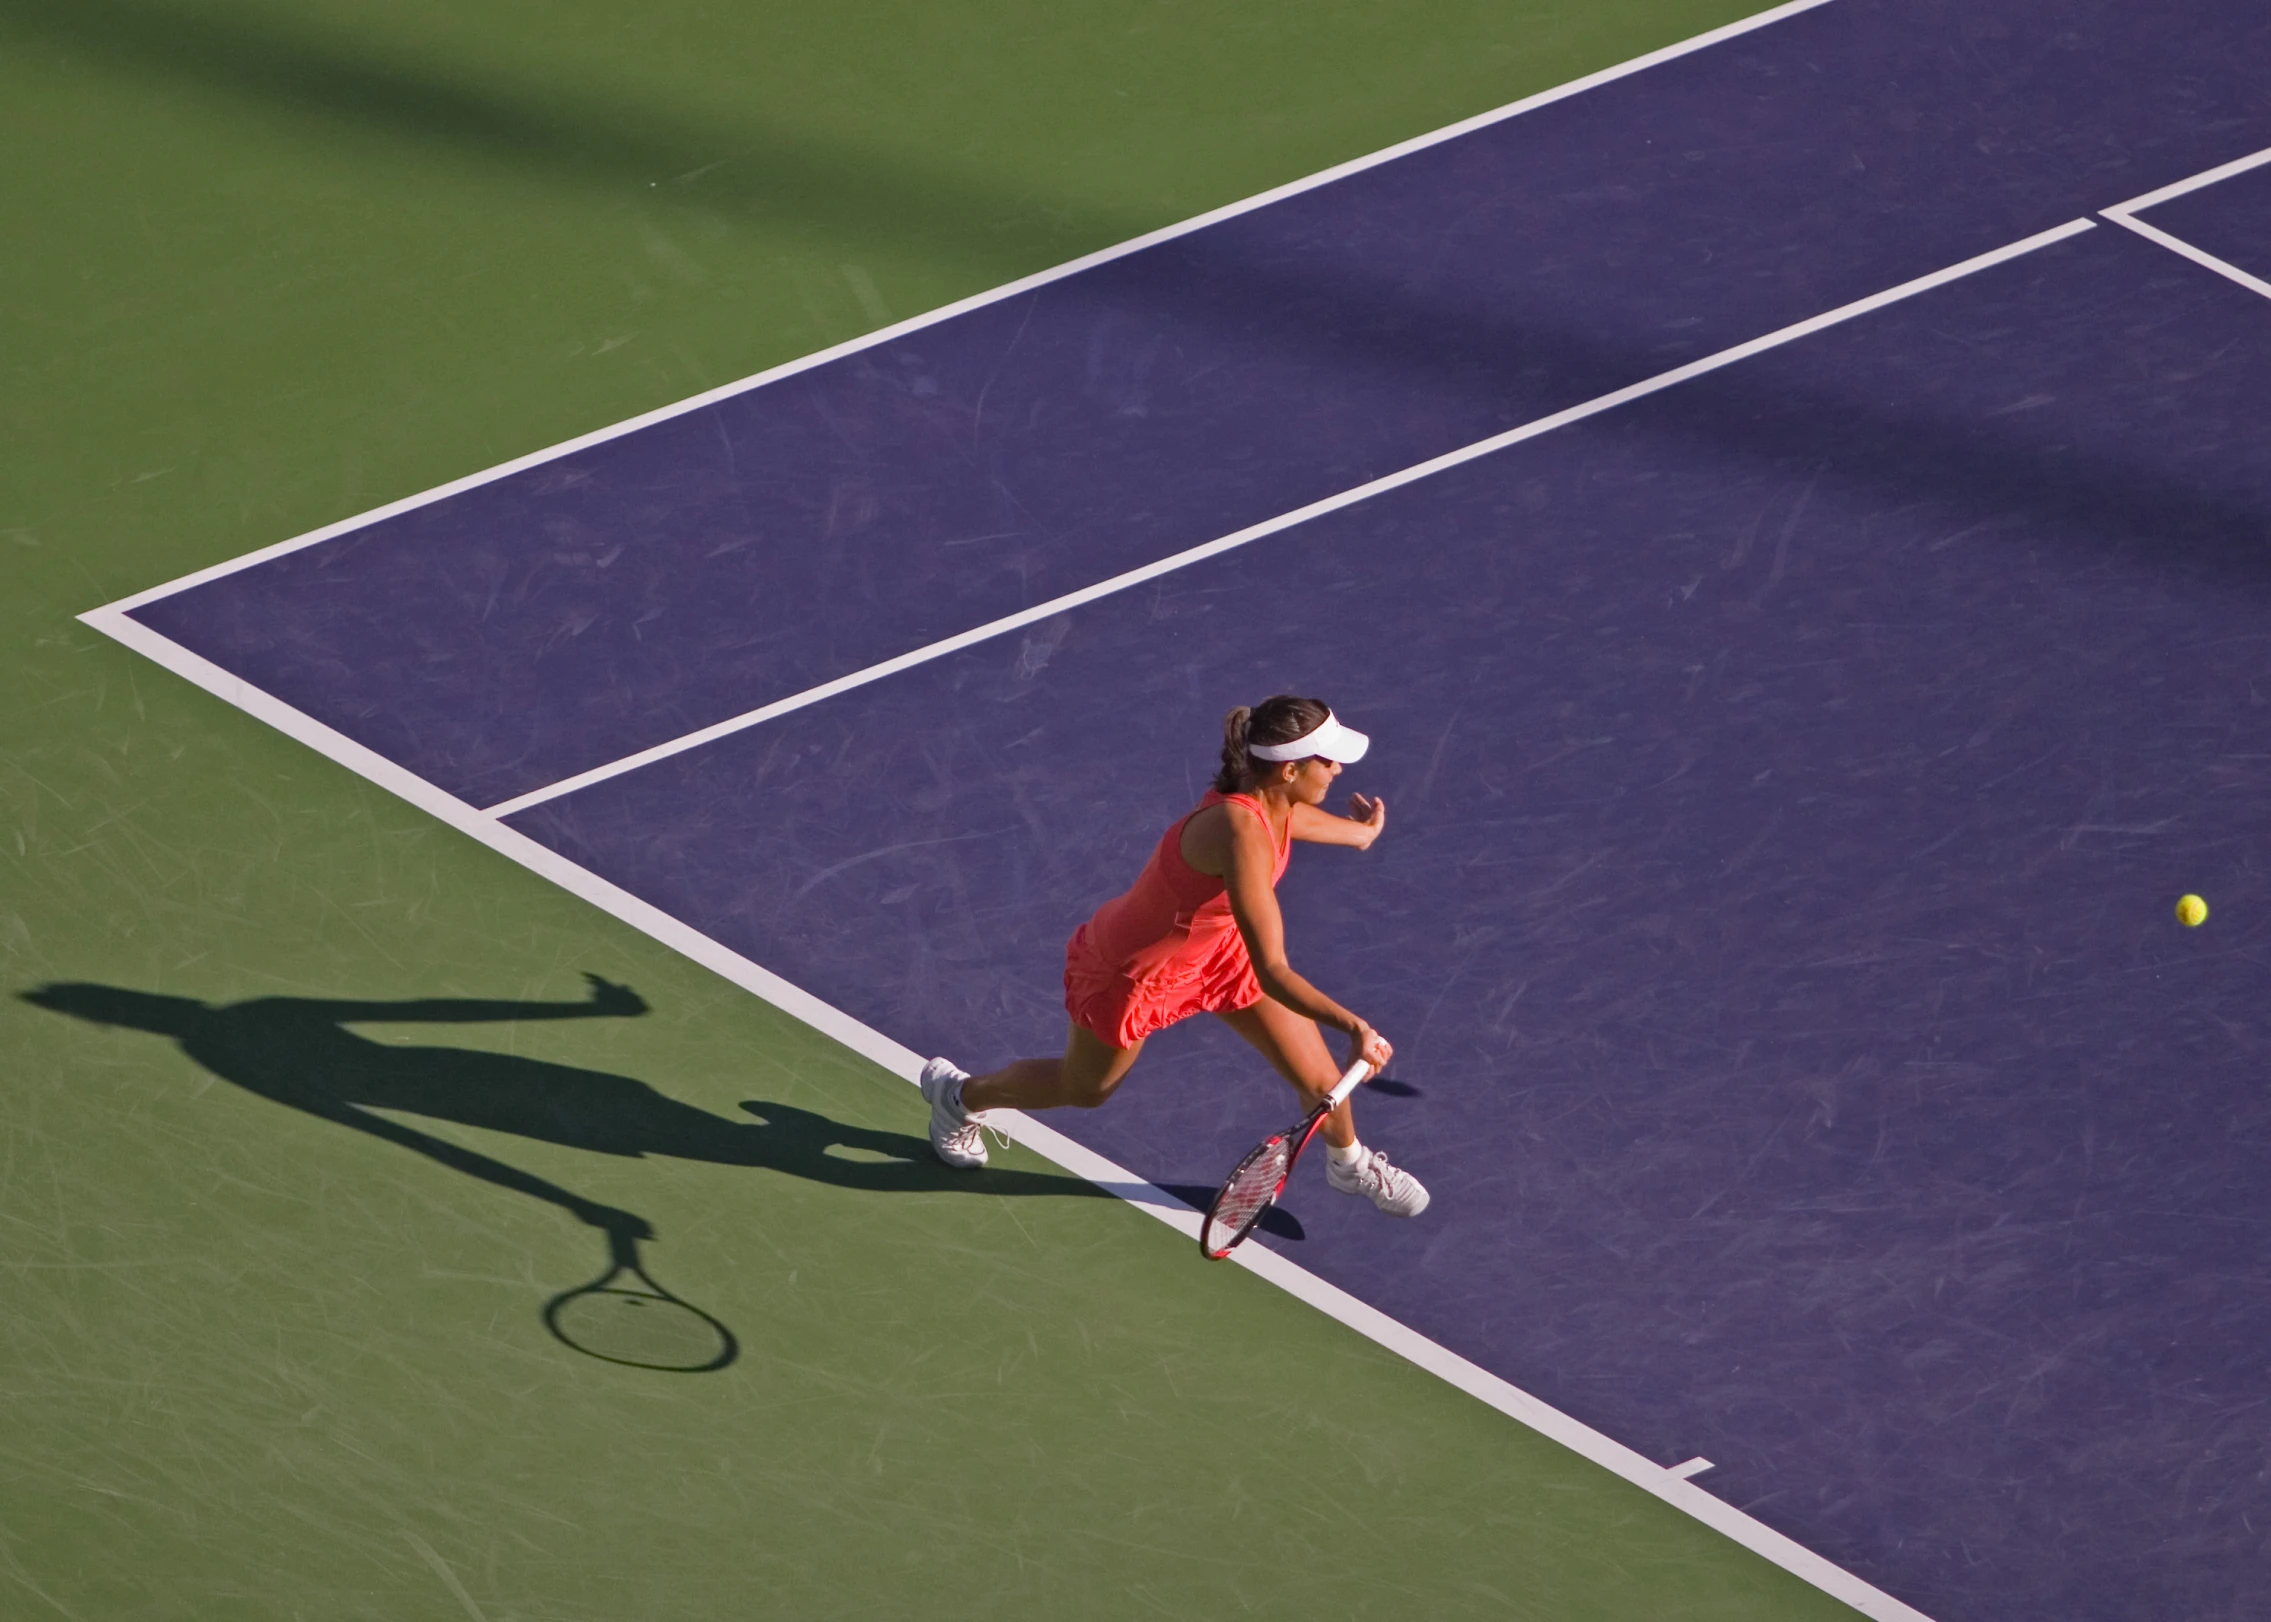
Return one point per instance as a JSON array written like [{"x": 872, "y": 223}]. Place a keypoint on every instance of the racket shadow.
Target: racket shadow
[
  {"x": 299, "y": 1052},
  {"x": 623, "y": 1316}
]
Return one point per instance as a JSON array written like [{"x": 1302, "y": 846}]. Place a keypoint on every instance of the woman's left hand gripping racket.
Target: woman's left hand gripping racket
[{"x": 1247, "y": 1193}]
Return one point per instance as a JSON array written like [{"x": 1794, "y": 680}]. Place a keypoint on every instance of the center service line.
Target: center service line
[{"x": 1284, "y": 521}]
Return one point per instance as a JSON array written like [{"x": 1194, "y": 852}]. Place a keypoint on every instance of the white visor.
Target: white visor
[{"x": 1328, "y": 738}]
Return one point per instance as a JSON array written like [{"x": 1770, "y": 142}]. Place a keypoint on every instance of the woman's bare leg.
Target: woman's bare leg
[
  {"x": 1083, "y": 1078},
  {"x": 1295, "y": 1047}
]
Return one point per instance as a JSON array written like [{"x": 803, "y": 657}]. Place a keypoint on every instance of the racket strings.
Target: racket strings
[{"x": 1249, "y": 1192}]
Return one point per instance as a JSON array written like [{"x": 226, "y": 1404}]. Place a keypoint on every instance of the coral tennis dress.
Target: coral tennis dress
[{"x": 1167, "y": 949}]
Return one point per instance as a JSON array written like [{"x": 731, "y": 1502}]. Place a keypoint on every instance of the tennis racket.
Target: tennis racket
[{"x": 1248, "y": 1193}]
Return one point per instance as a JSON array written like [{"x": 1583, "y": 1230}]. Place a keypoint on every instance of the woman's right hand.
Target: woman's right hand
[{"x": 1369, "y": 1045}]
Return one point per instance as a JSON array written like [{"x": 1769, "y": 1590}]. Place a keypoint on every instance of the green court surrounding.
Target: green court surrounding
[{"x": 269, "y": 265}]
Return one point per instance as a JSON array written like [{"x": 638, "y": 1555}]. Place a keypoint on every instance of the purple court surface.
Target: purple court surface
[
  {"x": 1791, "y": 770},
  {"x": 2231, "y": 219}
]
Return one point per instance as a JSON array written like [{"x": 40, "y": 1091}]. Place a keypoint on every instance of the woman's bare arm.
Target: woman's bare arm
[
  {"x": 608, "y": 1001},
  {"x": 1250, "y": 868},
  {"x": 1367, "y": 821}
]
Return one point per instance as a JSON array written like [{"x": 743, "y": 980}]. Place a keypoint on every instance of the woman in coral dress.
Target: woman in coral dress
[{"x": 1200, "y": 932}]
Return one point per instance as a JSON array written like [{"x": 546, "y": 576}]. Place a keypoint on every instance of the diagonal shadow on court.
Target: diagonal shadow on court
[
  {"x": 1474, "y": 344},
  {"x": 299, "y": 1052},
  {"x": 578, "y": 134}
]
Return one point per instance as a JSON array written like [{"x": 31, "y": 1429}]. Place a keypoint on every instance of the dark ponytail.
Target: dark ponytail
[{"x": 1273, "y": 720}]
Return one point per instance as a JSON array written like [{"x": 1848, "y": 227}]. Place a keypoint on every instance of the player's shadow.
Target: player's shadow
[
  {"x": 300, "y": 1052},
  {"x": 1472, "y": 353}
]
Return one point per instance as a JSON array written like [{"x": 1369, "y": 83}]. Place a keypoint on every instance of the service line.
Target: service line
[
  {"x": 1284, "y": 521},
  {"x": 2190, "y": 183},
  {"x": 485, "y": 826},
  {"x": 2125, "y": 215}
]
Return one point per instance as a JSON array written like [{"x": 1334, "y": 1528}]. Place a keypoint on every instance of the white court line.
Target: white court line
[
  {"x": 1693, "y": 1468},
  {"x": 115, "y": 621},
  {"x": 1008, "y": 290},
  {"x": 1284, "y": 521},
  {"x": 2125, "y": 214},
  {"x": 2199, "y": 256},
  {"x": 1081, "y": 1161},
  {"x": 2191, "y": 183}
]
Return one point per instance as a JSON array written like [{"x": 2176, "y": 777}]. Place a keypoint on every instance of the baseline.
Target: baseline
[
  {"x": 1667, "y": 1484},
  {"x": 1284, "y": 521},
  {"x": 976, "y": 301}
]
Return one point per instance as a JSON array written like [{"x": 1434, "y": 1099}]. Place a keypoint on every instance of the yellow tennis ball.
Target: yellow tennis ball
[{"x": 2191, "y": 911}]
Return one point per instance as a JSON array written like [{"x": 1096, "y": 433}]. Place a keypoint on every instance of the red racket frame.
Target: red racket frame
[{"x": 1298, "y": 1135}]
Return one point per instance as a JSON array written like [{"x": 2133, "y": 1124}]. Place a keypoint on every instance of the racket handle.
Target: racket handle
[{"x": 1355, "y": 1076}]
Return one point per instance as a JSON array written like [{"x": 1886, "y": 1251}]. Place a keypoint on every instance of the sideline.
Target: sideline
[
  {"x": 976, "y": 301},
  {"x": 1665, "y": 1483},
  {"x": 1669, "y": 1484}
]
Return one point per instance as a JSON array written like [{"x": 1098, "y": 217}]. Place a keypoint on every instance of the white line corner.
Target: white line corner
[
  {"x": 2190, "y": 183},
  {"x": 2185, "y": 250},
  {"x": 977, "y": 301}
]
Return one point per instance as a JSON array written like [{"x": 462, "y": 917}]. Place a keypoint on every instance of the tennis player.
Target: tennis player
[{"x": 1200, "y": 933}]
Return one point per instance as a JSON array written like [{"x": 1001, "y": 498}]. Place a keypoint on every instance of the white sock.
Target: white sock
[{"x": 1345, "y": 1158}]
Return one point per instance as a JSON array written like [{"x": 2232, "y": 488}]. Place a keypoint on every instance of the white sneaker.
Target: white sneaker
[
  {"x": 1396, "y": 1192},
  {"x": 955, "y": 1136}
]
